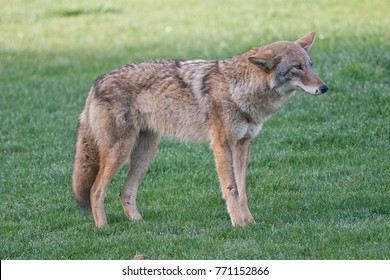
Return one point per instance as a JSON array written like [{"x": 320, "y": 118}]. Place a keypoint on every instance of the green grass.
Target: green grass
[{"x": 318, "y": 179}]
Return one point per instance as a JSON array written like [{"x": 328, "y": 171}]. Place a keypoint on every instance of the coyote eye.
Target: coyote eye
[{"x": 299, "y": 67}]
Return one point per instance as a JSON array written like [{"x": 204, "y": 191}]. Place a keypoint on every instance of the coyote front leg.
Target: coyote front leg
[
  {"x": 225, "y": 170},
  {"x": 240, "y": 162}
]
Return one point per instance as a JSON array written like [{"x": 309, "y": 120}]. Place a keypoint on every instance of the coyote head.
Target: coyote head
[{"x": 289, "y": 66}]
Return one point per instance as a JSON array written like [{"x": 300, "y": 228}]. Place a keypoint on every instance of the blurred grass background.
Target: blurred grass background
[{"x": 319, "y": 173}]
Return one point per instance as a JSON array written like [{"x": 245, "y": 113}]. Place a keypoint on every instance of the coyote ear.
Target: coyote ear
[
  {"x": 306, "y": 41},
  {"x": 263, "y": 63}
]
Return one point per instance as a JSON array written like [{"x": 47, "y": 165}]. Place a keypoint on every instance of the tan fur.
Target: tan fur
[{"x": 222, "y": 102}]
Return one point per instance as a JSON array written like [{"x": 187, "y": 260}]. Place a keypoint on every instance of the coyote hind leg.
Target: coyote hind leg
[
  {"x": 141, "y": 158},
  {"x": 110, "y": 162}
]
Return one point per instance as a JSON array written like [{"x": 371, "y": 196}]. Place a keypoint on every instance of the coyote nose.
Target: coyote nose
[{"x": 323, "y": 88}]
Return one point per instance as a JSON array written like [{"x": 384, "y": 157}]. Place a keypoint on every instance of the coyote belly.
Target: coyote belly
[{"x": 222, "y": 102}]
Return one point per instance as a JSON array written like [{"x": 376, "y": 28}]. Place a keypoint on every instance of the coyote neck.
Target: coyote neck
[{"x": 251, "y": 90}]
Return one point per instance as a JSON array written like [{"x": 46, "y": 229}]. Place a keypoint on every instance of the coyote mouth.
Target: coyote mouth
[{"x": 313, "y": 90}]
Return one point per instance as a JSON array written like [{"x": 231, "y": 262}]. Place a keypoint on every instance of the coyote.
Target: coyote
[{"x": 220, "y": 102}]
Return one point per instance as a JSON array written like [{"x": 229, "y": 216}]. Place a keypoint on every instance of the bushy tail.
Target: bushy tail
[{"x": 86, "y": 165}]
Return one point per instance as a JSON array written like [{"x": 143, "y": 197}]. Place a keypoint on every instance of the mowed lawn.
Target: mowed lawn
[{"x": 319, "y": 184}]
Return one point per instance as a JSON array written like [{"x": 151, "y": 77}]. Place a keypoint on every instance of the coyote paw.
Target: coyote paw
[
  {"x": 101, "y": 222},
  {"x": 131, "y": 210},
  {"x": 248, "y": 218},
  {"x": 243, "y": 220},
  {"x": 134, "y": 216}
]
